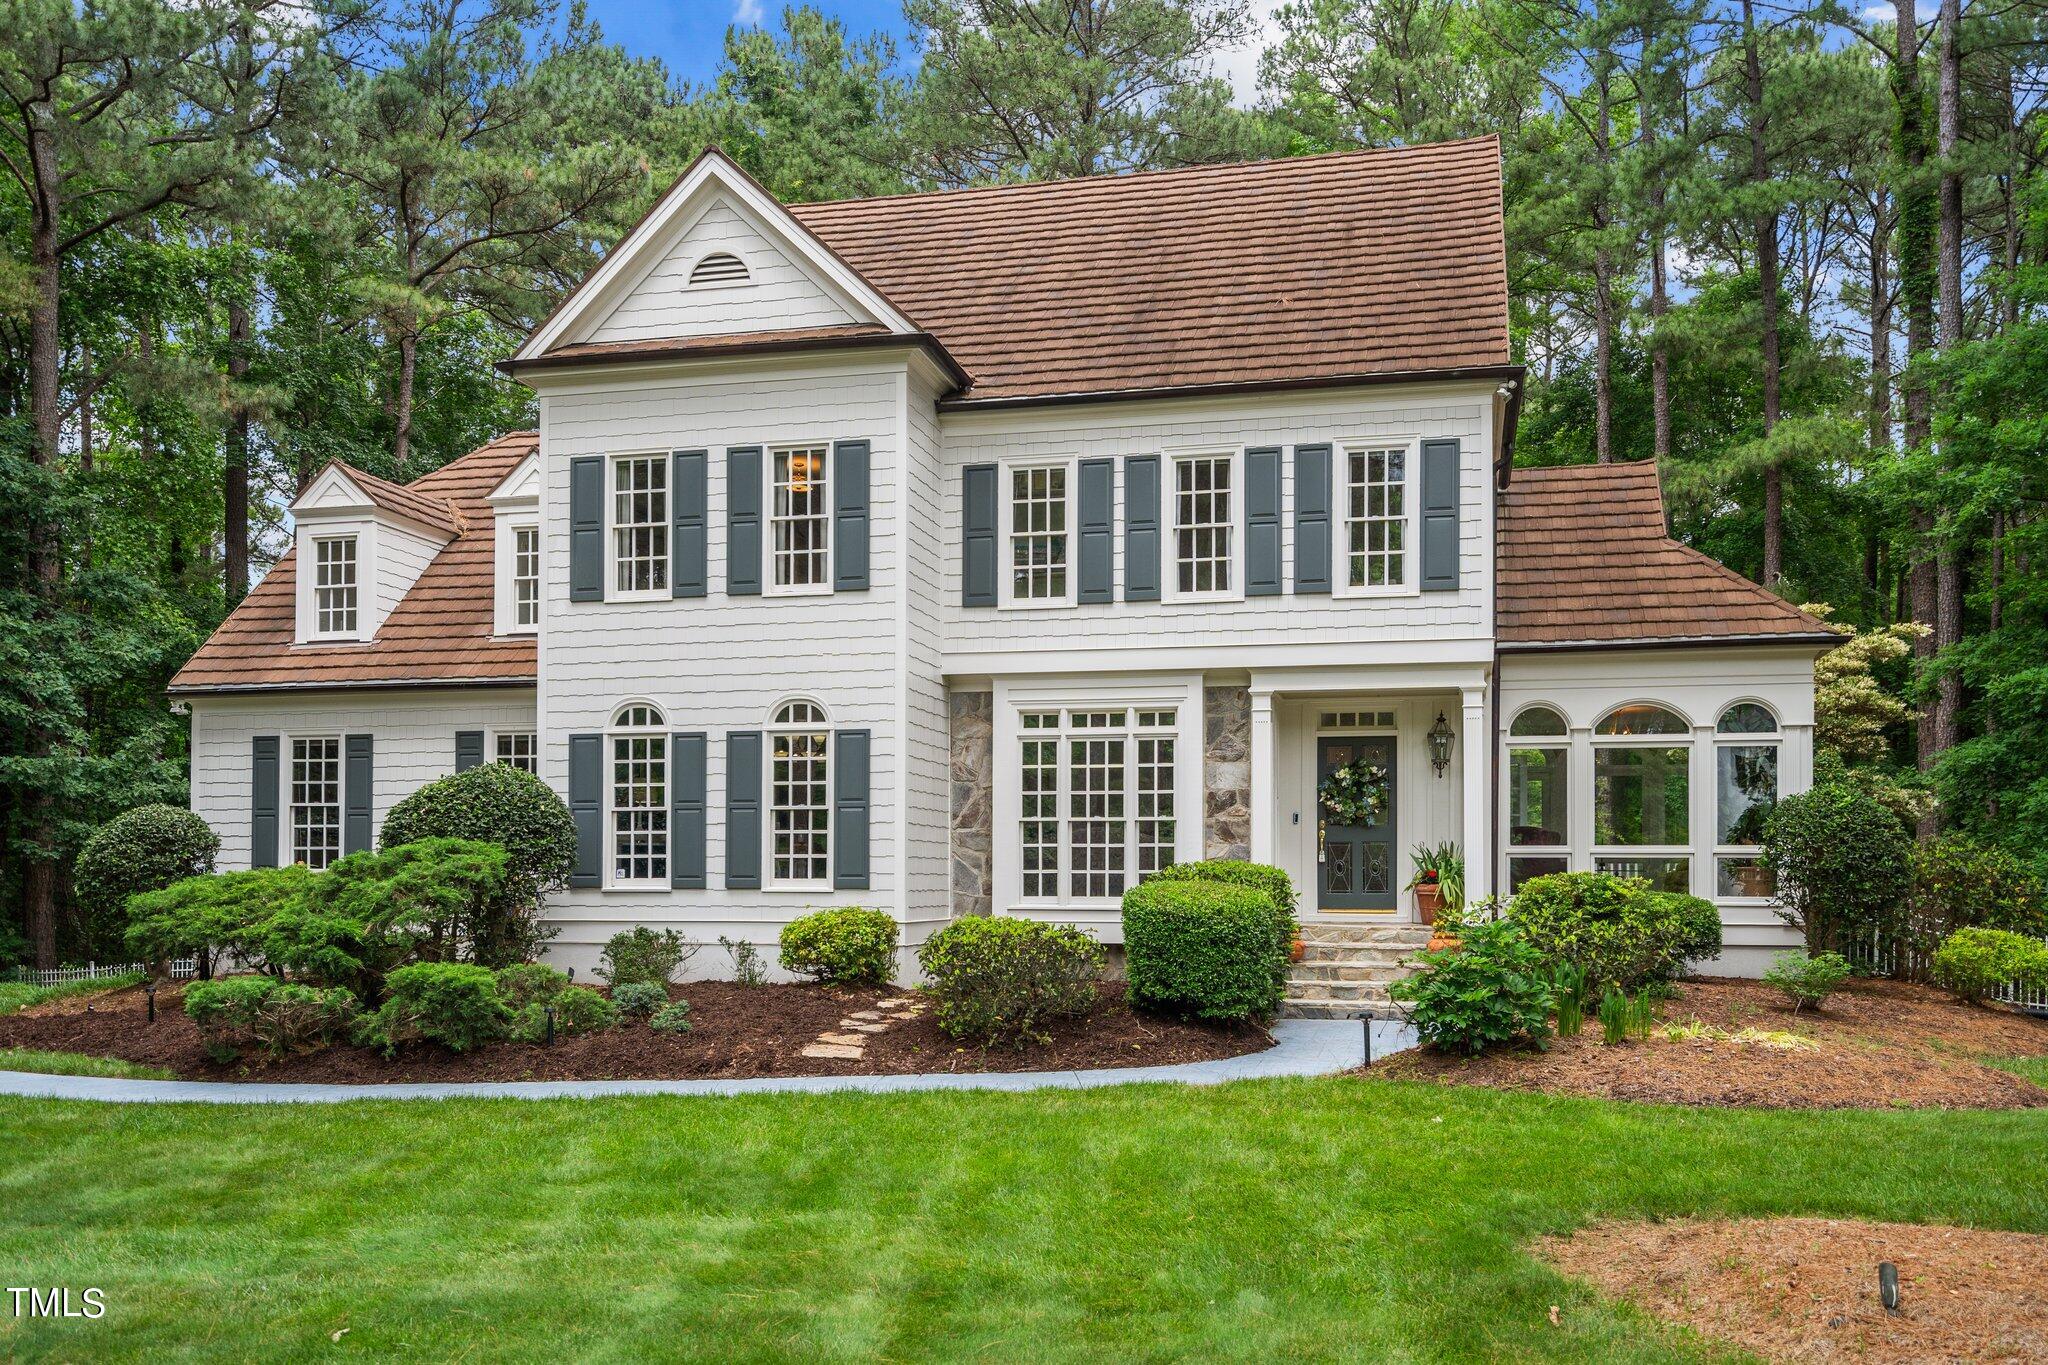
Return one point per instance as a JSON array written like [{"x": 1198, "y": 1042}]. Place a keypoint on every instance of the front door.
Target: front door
[{"x": 1355, "y": 822}]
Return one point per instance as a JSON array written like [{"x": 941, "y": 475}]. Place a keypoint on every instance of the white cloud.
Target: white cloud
[
  {"x": 1240, "y": 65},
  {"x": 748, "y": 13}
]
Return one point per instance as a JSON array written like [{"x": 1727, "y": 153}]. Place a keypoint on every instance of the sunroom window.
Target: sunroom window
[
  {"x": 1539, "y": 760},
  {"x": 1642, "y": 758},
  {"x": 1746, "y": 746}
]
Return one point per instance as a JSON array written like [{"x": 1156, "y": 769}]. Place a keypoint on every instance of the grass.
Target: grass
[
  {"x": 1327, "y": 1219},
  {"x": 2034, "y": 1069},
  {"x": 16, "y": 996},
  {"x": 77, "y": 1064}
]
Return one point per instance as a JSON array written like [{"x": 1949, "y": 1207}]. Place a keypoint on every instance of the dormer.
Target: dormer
[
  {"x": 515, "y": 510},
  {"x": 362, "y": 543}
]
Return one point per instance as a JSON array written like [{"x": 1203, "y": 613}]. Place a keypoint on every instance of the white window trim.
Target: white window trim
[
  {"x": 362, "y": 584},
  {"x": 491, "y": 738},
  {"x": 1685, "y": 740},
  {"x": 1774, "y": 738},
  {"x": 1340, "y": 528},
  {"x": 613, "y": 730},
  {"x": 505, "y": 601},
  {"x": 1559, "y": 744},
  {"x": 286, "y": 853},
  {"x": 1169, "y": 524},
  {"x": 769, "y": 587},
  {"x": 769, "y": 733},
  {"x": 1006, "y": 597},
  {"x": 612, "y": 591}
]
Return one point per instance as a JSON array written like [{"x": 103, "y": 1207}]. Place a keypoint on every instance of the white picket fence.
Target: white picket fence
[
  {"x": 182, "y": 969},
  {"x": 2033, "y": 999}
]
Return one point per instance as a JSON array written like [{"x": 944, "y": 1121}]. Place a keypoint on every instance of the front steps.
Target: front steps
[{"x": 1345, "y": 969}]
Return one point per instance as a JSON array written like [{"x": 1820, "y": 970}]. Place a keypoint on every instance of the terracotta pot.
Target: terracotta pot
[
  {"x": 1440, "y": 941},
  {"x": 1296, "y": 951},
  {"x": 1429, "y": 898}
]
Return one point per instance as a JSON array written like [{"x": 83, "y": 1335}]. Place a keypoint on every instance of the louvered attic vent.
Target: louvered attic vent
[{"x": 720, "y": 267}]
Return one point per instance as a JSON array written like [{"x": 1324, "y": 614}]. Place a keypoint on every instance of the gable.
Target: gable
[
  {"x": 332, "y": 491},
  {"x": 521, "y": 487}
]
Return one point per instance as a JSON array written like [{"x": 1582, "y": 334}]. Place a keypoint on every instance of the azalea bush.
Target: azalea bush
[
  {"x": 848, "y": 947},
  {"x": 1001, "y": 980}
]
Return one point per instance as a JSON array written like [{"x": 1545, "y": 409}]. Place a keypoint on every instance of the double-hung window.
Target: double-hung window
[
  {"x": 519, "y": 749},
  {"x": 1204, "y": 542},
  {"x": 799, "y": 795},
  {"x": 1642, "y": 803},
  {"x": 1039, "y": 540},
  {"x": 640, "y": 522},
  {"x": 526, "y": 577},
  {"x": 1376, "y": 505},
  {"x": 1098, "y": 809},
  {"x": 639, "y": 796},
  {"x": 1746, "y": 743},
  {"x": 334, "y": 585},
  {"x": 800, "y": 519},
  {"x": 1539, "y": 760},
  {"x": 316, "y": 801}
]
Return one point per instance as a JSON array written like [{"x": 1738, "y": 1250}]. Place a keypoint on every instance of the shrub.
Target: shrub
[
  {"x": 1975, "y": 962},
  {"x": 144, "y": 849},
  {"x": 225, "y": 912},
  {"x": 644, "y": 954},
  {"x": 225, "y": 1011},
  {"x": 1206, "y": 948},
  {"x": 1807, "y": 979},
  {"x": 999, "y": 980},
  {"x": 1843, "y": 865},
  {"x": 577, "y": 1009},
  {"x": 1493, "y": 990},
  {"x": 454, "y": 1004},
  {"x": 1261, "y": 877},
  {"x": 497, "y": 803},
  {"x": 746, "y": 962},
  {"x": 639, "y": 997},
  {"x": 1620, "y": 931},
  {"x": 671, "y": 1018},
  {"x": 523, "y": 983},
  {"x": 1700, "y": 925},
  {"x": 282, "y": 1016},
  {"x": 842, "y": 947},
  {"x": 1959, "y": 882}
]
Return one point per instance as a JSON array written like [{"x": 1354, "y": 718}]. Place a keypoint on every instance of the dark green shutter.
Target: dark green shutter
[
  {"x": 1141, "y": 528},
  {"x": 1311, "y": 519},
  {"x": 743, "y": 810},
  {"x": 1262, "y": 521},
  {"x": 1095, "y": 561},
  {"x": 263, "y": 802},
  {"x": 743, "y": 521},
  {"x": 849, "y": 516},
  {"x": 586, "y": 808},
  {"x": 850, "y": 810},
  {"x": 689, "y": 549},
  {"x": 356, "y": 785},
  {"x": 469, "y": 750},
  {"x": 979, "y": 505},
  {"x": 686, "y": 811},
  {"x": 586, "y": 528},
  {"x": 1440, "y": 516}
]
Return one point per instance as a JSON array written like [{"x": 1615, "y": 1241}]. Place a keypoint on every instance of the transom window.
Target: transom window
[
  {"x": 800, "y": 517},
  {"x": 640, "y": 524},
  {"x": 799, "y": 795},
  {"x": 1746, "y": 744},
  {"x": 334, "y": 585},
  {"x": 1038, "y": 534},
  {"x": 1098, "y": 810},
  {"x": 639, "y": 796},
  {"x": 1539, "y": 763},
  {"x": 1203, "y": 521},
  {"x": 519, "y": 749},
  {"x": 1642, "y": 796},
  {"x": 526, "y": 576},
  {"x": 316, "y": 801},
  {"x": 1376, "y": 517},
  {"x": 1356, "y": 720}
]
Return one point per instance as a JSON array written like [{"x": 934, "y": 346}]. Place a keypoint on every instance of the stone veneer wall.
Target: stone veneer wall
[
  {"x": 973, "y": 764},
  {"x": 1227, "y": 772}
]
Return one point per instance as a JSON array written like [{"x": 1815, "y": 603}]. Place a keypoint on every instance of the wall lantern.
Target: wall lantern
[{"x": 1440, "y": 741}]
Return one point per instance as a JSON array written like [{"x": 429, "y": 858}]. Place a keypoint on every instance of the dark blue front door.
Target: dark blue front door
[{"x": 1355, "y": 861}]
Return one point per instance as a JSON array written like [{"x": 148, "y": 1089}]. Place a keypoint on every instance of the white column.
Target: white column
[
  {"x": 1263, "y": 783},
  {"x": 1476, "y": 741}
]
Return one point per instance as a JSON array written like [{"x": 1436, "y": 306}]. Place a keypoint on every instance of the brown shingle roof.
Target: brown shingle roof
[
  {"x": 440, "y": 632},
  {"x": 1583, "y": 558},
  {"x": 414, "y": 503}
]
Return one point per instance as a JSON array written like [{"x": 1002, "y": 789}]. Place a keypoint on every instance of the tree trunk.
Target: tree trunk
[
  {"x": 1660, "y": 357},
  {"x": 39, "y": 880},
  {"x": 1948, "y": 563},
  {"x": 1766, "y": 228},
  {"x": 1917, "y": 293},
  {"x": 1603, "y": 284},
  {"x": 1880, "y": 332},
  {"x": 235, "y": 485},
  {"x": 401, "y": 401}
]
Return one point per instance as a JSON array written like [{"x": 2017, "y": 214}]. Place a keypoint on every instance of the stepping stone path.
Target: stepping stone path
[{"x": 848, "y": 1043}]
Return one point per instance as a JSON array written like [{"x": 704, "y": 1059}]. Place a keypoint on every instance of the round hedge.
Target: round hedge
[
  {"x": 1617, "y": 928},
  {"x": 1844, "y": 864},
  {"x": 1205, "y": 948},
  {"x": 849, "y": 946},
  {"x": 498, "y": 804},
  {"x": 995, "y": 978},
  {"x": 144, "y": 849}
]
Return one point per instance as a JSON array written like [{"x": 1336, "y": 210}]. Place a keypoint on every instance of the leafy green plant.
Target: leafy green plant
[
  {"x": 1613, "y": 1016},
  {"x": 1276, "y": 886},
  {"x": 575, "y": 1010},
  {"x": 639, "y": 997},
  {"x": 144, "y": 849},
  {"x": 1807, "y": 979},
  {"x": 222, "y": 913},
  {"x": 1959, "y": 882},
  {"x": 1700, "y": 925},
  {"x": 281, "y": 1016},
  {"x": 1843, "y": 865},
  {"x": 1493, "y": 991},
  {"x": 747, "y": 968},
  {"x": 523, "y": 983},
  {"x": 1443, "y": 866},
  {"x": 1975, "y": 963},
  {"x": 1620, "y": 931},
  {"x": 844, "y": 947},
  {"x": 998, "y": 979},
  {"x": 1568, "y": 991},
  {"x": 455, "y": 1004},
  {"x": 644, "y": 954},
  {"x": 1210, "y": 949},
  {"x": 1642, "y": 1015},
  {"x": 671, "y": 1018}
]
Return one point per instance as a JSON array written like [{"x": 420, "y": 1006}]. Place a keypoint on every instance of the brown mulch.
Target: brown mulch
[
  {"x": 1878, "y": 1045},
  {"x": 1806, "y": 1288},
  {"x": 737, "y": 1032}
]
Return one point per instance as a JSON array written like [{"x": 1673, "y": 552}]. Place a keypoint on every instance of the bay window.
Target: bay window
[
  {"x": 1642, "y": 756},
  {"x": 1099, "y": 811},
  {"x": 1746, "y": 745},
  {"x": 1539, "y": 761}
]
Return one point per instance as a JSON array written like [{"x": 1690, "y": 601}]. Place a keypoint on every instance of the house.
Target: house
[{"x": 982, "y": 551}]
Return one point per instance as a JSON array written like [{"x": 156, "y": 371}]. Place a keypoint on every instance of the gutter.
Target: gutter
[
  {"x": 372, "y": 684},
  {"x": 1826, "y": 639},
  {"x": 1227, "y": 387},
  {"x": 513, "y": 367}
]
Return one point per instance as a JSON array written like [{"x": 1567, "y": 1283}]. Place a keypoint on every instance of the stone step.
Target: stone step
[
  {"x": 1347, "y": 971},
  {"x": 1336, "y": 1009},
  {"x": 1380, "y": 935},
  {"x": 1337, "y": 990},
  {"x": 1382, "y": 957}
]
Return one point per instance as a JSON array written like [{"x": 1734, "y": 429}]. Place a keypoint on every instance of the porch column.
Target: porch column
[
  {"x": 1262, "y": 803},
  {"x": 1477, "y": 743}
]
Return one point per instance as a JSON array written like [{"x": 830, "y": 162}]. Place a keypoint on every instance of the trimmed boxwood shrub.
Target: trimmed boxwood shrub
[
  {"x": 1237, "y": 872},
  {"x": 644, "y": 954},
  {"x": 1617, "y": 929},
  {"x": 455, "y": 1004},
  {"x": 1843, "y": 863},
  {"x": 639, "y": 997},
  {"x": 1701, "y": 921},
  {"x": 1210, "y": 949},
  {"x": 1976, "y": 962},
  {"x": 849, "y": 947},
  {"x": 578, "y": 1009},
  {"x": 282, "y": 1016},
  {"x": 999, "y": 979},
  {"x": 224, "y": 912},
  {"x": 144, "y": 849},
  {"x": 1494, "y": 990}
]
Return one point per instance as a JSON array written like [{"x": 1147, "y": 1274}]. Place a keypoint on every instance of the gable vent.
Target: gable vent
[{"x": 720, "y": 267}]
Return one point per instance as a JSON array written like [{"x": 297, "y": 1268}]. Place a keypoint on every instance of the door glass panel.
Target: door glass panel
[
  {"x": 1376, "y": 867},
  {"x": 1337, "y": 867}
]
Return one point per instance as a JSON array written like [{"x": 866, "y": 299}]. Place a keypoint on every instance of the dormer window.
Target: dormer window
[
  {"x": 525, "y": 577},
  {"x": 334, "y": 586},
  {"x": 719, "y": 268}
]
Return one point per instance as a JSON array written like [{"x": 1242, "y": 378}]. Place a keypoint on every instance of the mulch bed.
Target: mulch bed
[
  {"x": 1807, "y": 1289},
  {"x": 1878, "y": 1045},
  {"x": 738, "y": 1032}
]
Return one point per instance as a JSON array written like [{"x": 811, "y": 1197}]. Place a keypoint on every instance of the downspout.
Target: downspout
[{"x": 1511, "y": 394}]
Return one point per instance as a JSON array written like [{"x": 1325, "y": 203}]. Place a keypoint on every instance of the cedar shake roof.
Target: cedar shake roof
[
  {"x": 439, "y": 634},
  {"x": 415, "y": 504},
  {"x": 1583, "y": 558}
]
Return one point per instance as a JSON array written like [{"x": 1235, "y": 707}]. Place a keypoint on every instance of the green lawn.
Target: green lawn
[
  {"x": 16, "y": 996},
  {"x": 1311, "y": 1219},
  {"x": 76, "y": 1064}
]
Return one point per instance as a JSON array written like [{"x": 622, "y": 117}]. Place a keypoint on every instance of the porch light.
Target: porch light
[{"x": 1440, "y": 741}]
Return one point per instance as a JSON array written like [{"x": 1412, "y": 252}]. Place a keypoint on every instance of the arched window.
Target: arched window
[
  {"x": 1746, "y": 744},
  {"x": 637, "y": 715},
  {"x": 800, "y": 711},
  {"x": 1642, "y": 718},
  {"x": 800, "y": 794},
  {"x": 1642, "y": 795},
  {"x": 636, "y": 805},
  {"x": 719, "y": 267},
  {"x": 1539, "y": 762}
]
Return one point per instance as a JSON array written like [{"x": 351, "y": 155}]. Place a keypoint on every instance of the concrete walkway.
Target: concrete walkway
[{"x": 1304, "y": 1047}]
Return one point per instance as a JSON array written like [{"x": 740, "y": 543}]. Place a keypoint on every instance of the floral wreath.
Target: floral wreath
[{"x": 1355, "y": 794}]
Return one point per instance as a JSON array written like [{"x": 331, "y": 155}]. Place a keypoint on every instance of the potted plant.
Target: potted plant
[{"x": 1439, "y": 880}]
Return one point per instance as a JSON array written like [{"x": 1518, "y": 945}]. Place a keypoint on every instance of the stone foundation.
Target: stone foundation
[
  {"x": 1226, "y": 772},
  {"x": 973, "y": 770}
]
